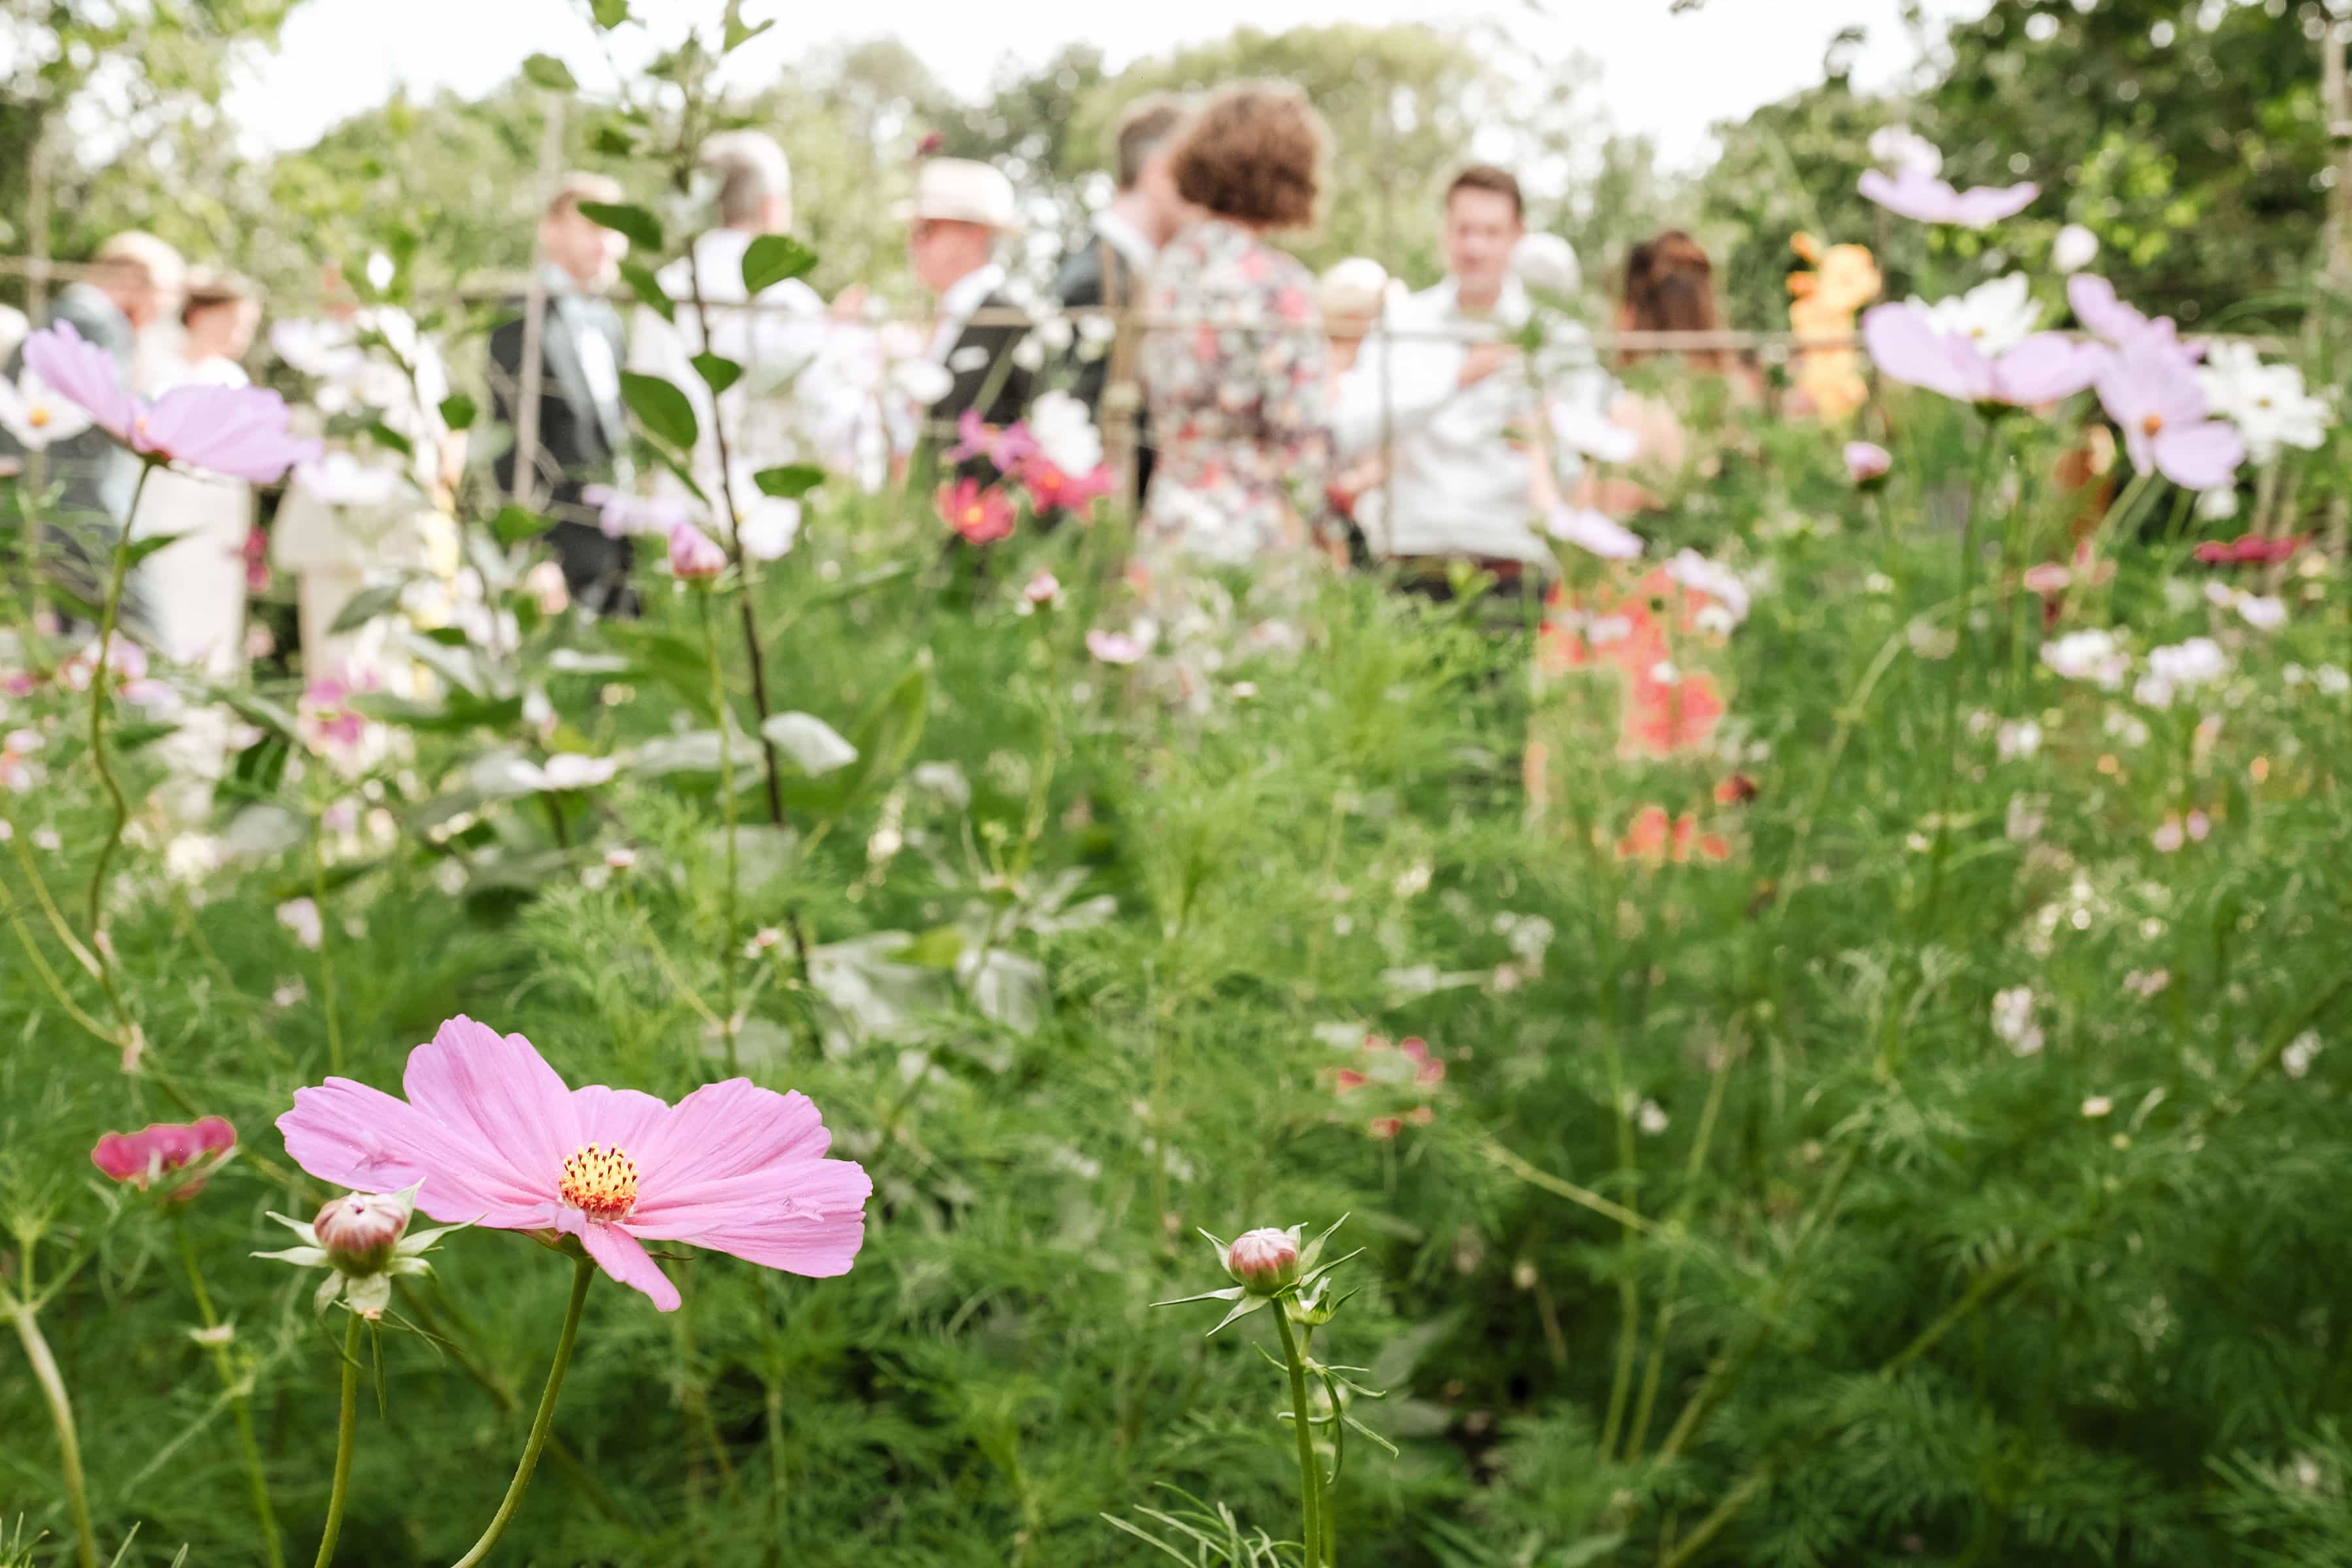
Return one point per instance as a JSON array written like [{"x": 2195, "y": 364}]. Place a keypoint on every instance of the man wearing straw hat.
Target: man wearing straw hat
[{"x": 960, "y": 210}]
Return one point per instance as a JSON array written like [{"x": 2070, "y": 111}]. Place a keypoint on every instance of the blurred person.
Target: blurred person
[
  {"x": 132, "y": 284},
  {"x": 774, "y": 338},
  {"x": 1426, "y": 391},
  {"x": 194, "y": 589},
  {"x": 1237, "y": 384},
  {"x": 1106, "y": 272},
  {"x": 584, "y": 424},
  {"x": 366, "y": 514},
  {"x": 1351, "y": 297},
  {"x": 1669, "y": 287},
  {"x": 959, "y": 212}
]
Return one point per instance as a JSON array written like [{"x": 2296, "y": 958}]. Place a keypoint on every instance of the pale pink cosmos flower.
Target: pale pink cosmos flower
[
  {"x": 2112, "y": 320},
  {"x": 693, "y": 555},
  {"x": 1042, "y": 589},
  {"x": 163, "y": 1148},
  {"x": 301, "y": 917},
  {"x": 1866, "y": 461},
  {"x": 494, "y": 1137},
  {"x": 1915, "y": 194},
  {"x": 237, "y": 431},
  {"x": 2152, "y": 393},
  {"x": 1903, "y": 342},
  {"x": 1114, "y": 647}
]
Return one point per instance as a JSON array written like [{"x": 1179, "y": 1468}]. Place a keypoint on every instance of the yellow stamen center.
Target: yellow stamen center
[
  {"x": 2151, "y": 423},
  {"x": 601, "y": 1182},
  {"x": 39, "y": 416}
]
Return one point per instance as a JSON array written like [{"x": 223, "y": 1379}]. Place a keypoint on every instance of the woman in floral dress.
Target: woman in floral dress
[{"x": 1234, "y": 362}]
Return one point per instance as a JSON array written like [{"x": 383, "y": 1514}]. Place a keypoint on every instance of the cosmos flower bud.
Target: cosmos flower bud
[
  {"x": 1866, "y": 463},
  {"x": 359, "y": 1230},
  {"x": 1264, "y": 1261},
  {"x": 693, "y": 556}
]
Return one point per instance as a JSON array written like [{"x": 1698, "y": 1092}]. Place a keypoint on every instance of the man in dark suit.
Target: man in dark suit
[
  {"x": 1107, "y": 271},
  {"x": 583, "y": 432},
  {"x": 135, "y": 280},
  {"x": 960, "y": 210}
]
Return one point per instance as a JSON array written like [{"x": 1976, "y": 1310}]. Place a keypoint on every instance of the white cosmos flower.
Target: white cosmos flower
[
  {"x": 339, "y": 479},
  {"x": 2196, "y": 662},
  {"x": 1029, "y": 354},
  {"x": 1719, "y": 582},
  {"x": 2012, "y": 1020},
  {"x": 2074, "y": 248},
  {"x": 2262, "y": 612},
  {"x": 2090, "y": 656},
  {"x": 1065, "y": 433},
  {"x": 765, "y": 525},
  {"x": 1899, "y": 149},
  {"x": 2018, "y": 738},
  {"x": 566, "y": 770},
  {"x": 1591, "y": 434},
  {"x": 923, "y": 381},
  {"x": 36, "y": 416},
  {"x": 1055, "y": 334},
  {"x": 1995, "y": 316},
  {"x": 2267, "y": 403}
]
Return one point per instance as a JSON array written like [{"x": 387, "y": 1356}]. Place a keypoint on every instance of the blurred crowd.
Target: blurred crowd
[{"x": 1248, "y": 411}]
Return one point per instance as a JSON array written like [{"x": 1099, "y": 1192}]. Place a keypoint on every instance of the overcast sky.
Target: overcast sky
[{"x": 1670, "y": 76}]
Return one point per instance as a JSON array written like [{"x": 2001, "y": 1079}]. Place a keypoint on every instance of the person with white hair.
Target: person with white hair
[
  {"x": 133, "y": 282},
  {"x": 960, "y": 211},
  {"x": 775, "y": 335}
]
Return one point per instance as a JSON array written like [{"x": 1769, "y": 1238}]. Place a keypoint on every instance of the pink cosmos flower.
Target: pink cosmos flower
[
  {"x": 1006, "y": 450},
  {"x": 159, "y": 1149},
  {"x": 494, "y": 1137},
  {"x": 2152, "y": 393},
  {"x": 1915, "y": 194},
  {"x": 1114, "y": 647},
  {"x": 327, "y": 719},
  {"x": 1867, "y": 462},
  {"x": 1263, "y": 1261},
  {"x": 620, "y": 513},
  {"x": 694, "y": 556},
  {"x": 238, "y": 431},
  {"x": 979, "y": 516},
  {"x": 1051, "y": 489},
  {"x": 2042, "y": 368},
  {"x": 2110, "y": 320},
  {"x": 1043, "y": 589}
]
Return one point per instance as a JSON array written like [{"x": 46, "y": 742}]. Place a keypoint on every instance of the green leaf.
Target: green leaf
[
  {"x": 366, "y": 606},
  {"x": 649, "y": 290},
  {"x": 644, "y": 230},
  {"x": 790, "y": 482},
  {"x": 772, "y": 258},
  {"x": 131, "y": 737},
  {"x": 515, "y": 524},
  {"x": 261, "y": 768},
  {"x": 885, "y": 737},
  {"x": 737, "y": 32},
  {"x": 612, "y": 141},
  {"x": 717, "y": 372},
  {"x": 938, "y": 948},
  {"x": 134, "y": 551},
  {"x": 677, "y": 662},
  {"x": 547, "y": 71},
  {"x": 385, "y": 434},
  {"x": 662, "y": 407},
  {"x": 458, "y": 411},
  {"x": 609, "y": 14}
]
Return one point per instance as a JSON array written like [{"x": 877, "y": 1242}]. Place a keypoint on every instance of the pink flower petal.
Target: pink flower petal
[
  {"x": 354, "y": 1136},
  {"x": 724, "y": 1130},
  {"x": 2199, "y": 456},
  {"x": 616, "y": 1252},
  {"x": 807, "y": 1218},
  {"x": 499, "y": 1096},
  {"x": 84, "y": 373},
  {"x": 1904, "y": 345},
  {"x": 622, "y": 1117},
  {"x": 2047, "y": 366}
]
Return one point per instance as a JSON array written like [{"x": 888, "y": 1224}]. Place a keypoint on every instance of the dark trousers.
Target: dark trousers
[{"x": 596, "y": 568}]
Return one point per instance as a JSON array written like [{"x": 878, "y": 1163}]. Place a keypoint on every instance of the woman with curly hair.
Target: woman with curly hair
[{"x": 1235, "y": 365}]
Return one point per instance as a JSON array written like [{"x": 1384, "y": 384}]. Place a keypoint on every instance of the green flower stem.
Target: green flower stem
[
  {"x": 582, "y": 1274},
  {"x": 326, "y": 946},
  {"x": 1987, "y": 470},
  {"x": 1310, "y": 1479},
  {"x": 240, "y": 1409},
  {"x": 727, "y": 811},
  {"x": 109, "y": 613},
  {"x": 346, "y": 1425},
  {"x": 53, "y": 1388}
]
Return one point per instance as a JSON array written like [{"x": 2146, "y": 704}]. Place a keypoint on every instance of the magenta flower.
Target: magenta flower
[
  {"x": 2152, "y": 393},
  {"x": 494, "y": 1137},
  {"x": 2042, "y": 368},
  {"x": 238, "y": 431},
  {"x": 1004, "y": 449},
  {"x": 693, "y": 555},
  {"x": 1915, "y": 194},
  {"x": 160, "y": 1148},
  {"x": 620, "y": 513},
  {"x": 1114, "y": 647}
]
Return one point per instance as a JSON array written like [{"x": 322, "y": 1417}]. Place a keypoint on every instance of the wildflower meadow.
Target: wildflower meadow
[{"x": 1814, "y": 1036}]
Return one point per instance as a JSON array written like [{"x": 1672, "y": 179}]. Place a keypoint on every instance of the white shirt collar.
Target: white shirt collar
[
  {"x": 964, "y": 295},
  {"x": 1125, "y": 238},
  {"x": 1511, "y": 305}
]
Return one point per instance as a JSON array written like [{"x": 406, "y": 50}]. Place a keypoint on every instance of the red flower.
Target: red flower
[
  {"x": 2250, "y": 550},
  {"x": 929, "y": 145},
  {"x": 257, "y": 560},
  {"x": 1736, "y": 790},
  {"x": 1051, "y": 489},
  {"x": 160, "y": 1148},
  {"x": 1347, "y": 1079},
  {"x": 1426, "y": 1068},
  {"x": 1663, "y": 717},
  {"x": 1655, "y": 837},
  {"x": 981, "y": 515}
]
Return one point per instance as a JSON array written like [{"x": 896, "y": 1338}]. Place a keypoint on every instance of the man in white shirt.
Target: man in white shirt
[
  {"x": 1440, "y": 391},
  {"x": 774, "y": 342}
]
